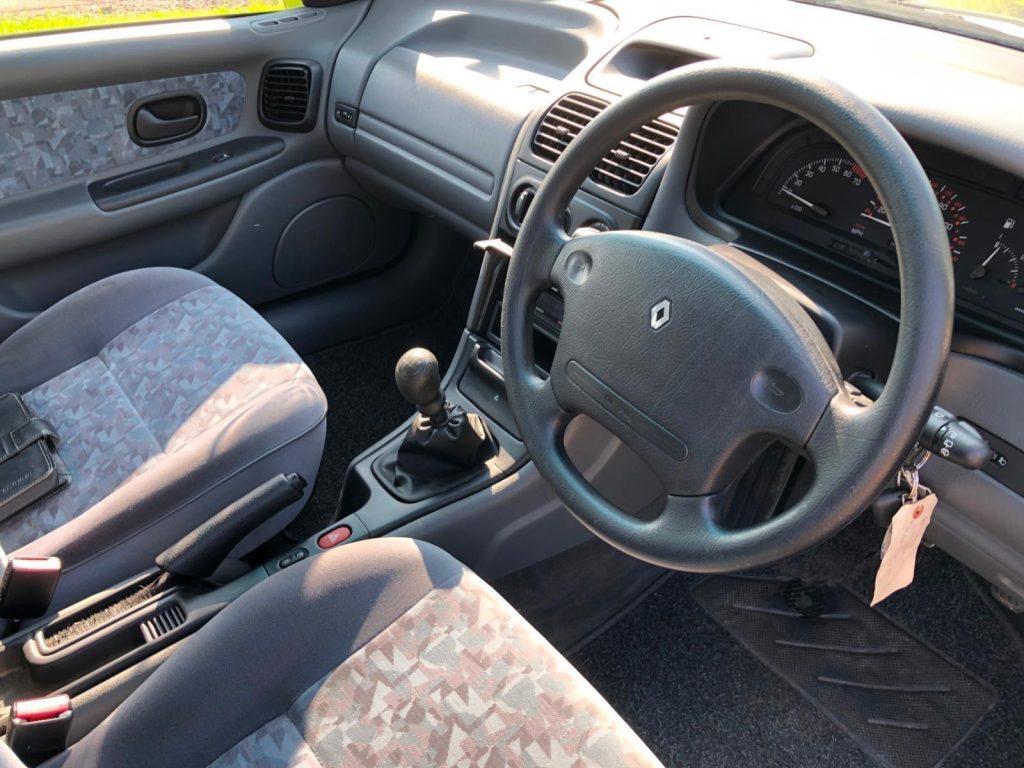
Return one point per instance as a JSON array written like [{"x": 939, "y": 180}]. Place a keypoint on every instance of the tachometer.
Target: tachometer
[
  {"x": 875, "y": 225},
  {"x": 954, "y": 212}
]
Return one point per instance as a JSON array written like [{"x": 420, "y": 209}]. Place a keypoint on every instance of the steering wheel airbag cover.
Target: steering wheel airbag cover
[{"x": 695, "y": 394}]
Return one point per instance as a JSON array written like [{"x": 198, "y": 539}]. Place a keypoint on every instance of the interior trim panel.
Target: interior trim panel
[
  {"x": 52, "y": 138},
  {"x": 471, "y": 76}
]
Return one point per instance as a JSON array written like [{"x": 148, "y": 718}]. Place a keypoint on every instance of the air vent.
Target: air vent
[
  {"x": 563, "y": 123},
  {"x": 164, "y": 622},
  {"x": 289, "y": 95},
  {"x": 626, "y": 167}
]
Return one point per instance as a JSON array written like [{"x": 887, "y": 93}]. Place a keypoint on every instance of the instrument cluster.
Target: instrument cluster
[{"x": 811, "y": 190}]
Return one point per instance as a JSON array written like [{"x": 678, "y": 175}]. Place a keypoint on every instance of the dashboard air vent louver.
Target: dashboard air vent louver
[
  {"x": 626, "y": 167},
  {"x": 563, "y": 123},
  {"x": 289, "y": 92},
  {"x": 285, "y": 96}
]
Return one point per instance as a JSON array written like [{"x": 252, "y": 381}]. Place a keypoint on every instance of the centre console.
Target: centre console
[
  {"x": 468, "y": 512},
  {"x": 63, "y": 674}
]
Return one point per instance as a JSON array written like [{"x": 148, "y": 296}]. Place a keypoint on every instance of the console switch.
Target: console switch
[{"x": 334, "y": 537}]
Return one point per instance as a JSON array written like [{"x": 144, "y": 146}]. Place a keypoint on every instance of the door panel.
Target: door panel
[
  {"x": 263, "y": 269},
  {"x": 30, "y": 287},
  {"x": 66, "y": 107},
  {"x": 56, "y": 137}
]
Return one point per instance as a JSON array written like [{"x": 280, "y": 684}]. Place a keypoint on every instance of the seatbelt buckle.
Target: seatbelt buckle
[
  {"x": 38, "y": 728},
  {"x": 27, "y": 586}
]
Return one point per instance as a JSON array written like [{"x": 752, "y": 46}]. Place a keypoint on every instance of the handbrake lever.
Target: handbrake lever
[{"x": 200, "y": 553}]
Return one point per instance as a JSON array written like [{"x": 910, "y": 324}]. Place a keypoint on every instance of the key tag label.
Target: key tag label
[{"x": 899, "y": 548}]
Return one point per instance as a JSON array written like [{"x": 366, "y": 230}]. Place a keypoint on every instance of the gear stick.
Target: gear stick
[
  {"x": 419, "y": 380},
  {"x": 445, "y": 445}
]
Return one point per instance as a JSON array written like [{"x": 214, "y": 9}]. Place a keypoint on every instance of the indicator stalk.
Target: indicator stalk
[{"x": 944, "y": 435}]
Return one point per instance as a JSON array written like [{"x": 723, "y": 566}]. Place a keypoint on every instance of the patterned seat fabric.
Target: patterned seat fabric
[
  {"x": 148, "y": 393},
  {"x": 156, "y": 411},
  {"x": 460, "y": 679},
  {"x": 386, "y": 653}
]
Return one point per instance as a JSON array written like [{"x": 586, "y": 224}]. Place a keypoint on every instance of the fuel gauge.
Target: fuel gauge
[
  {"x": 1002, "y": 266},
  {"x": 994, "y": 278}
]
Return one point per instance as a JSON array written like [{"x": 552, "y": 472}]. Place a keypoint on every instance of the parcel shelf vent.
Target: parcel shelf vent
[
  {"x": 168, "y": 620},
  {"x": 627, "y": 166}
]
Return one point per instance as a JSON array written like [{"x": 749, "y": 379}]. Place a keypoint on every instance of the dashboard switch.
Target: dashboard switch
[
  {"x": 346, "y": 115},
  {"x": 521, "y": 202},
  {"x": 295, "y": 557}
]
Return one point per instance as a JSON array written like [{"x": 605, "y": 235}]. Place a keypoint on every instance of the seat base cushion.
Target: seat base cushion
[
  {"x": 382, "y": 653},
  {"x": 173, "y": 398}
]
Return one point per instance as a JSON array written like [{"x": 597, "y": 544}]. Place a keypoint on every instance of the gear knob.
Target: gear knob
[{"x": 419, "y": 380}]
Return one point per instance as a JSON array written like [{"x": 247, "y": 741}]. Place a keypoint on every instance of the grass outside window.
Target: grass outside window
[{"x": 18, "y": 17}]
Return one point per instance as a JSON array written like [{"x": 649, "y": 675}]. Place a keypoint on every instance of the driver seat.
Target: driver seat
[{"x": 381, "y": 653}]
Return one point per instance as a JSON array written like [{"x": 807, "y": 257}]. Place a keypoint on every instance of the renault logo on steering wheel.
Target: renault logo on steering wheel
[{"x": 661, "y": 313}]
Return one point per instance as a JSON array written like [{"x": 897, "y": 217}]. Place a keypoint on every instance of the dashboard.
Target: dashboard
[
  {"x": 806, "y": 188},
  {"x": 467, "y": 110}
]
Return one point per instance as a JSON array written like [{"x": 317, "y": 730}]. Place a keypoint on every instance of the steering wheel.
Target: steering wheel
[{"x": 698, "y": 362}]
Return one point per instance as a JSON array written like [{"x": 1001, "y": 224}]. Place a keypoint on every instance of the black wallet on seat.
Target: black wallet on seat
[{"x": 30, "y": 469}]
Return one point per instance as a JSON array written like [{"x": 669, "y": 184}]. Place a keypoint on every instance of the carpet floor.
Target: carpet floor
[{"x": 698, "y": 698}]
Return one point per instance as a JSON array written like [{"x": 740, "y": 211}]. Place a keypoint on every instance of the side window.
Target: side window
[{"x": 26, "y": 17}]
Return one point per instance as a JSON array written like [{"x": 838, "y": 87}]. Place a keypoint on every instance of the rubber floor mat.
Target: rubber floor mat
[{"x": 906, "y": 704}]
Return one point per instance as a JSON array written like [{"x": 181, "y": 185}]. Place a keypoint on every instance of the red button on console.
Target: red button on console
[{"x": 334, "y": 537}]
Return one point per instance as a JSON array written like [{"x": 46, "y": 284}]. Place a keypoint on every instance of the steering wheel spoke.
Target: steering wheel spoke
[
  {"x": 689, "y": 518},
  {"x": 843, "y": 444},
  {"x": 545, "y": 248},
  {"x": 549, "y": 411}
]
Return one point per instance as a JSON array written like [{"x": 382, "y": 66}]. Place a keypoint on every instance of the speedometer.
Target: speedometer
[{"x": 826, "y": 189}]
